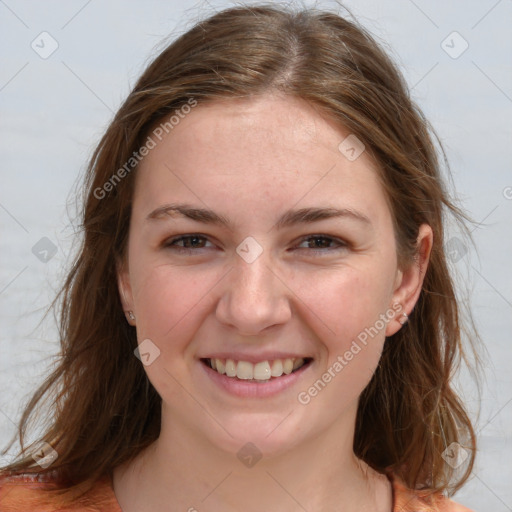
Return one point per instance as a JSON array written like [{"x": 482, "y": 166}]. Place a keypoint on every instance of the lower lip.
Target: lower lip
[{"x": 262, "y": 389}]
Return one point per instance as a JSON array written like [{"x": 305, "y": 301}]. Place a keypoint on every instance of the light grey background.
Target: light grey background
[{"x": 53, "y": 111}]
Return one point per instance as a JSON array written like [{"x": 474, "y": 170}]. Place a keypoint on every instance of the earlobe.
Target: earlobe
[
  {"x": 410, "y": 280},
  {"x": 125, "y": 293}
]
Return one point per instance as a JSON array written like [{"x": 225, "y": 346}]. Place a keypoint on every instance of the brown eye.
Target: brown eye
[
  {"x": 187, "y": 243},
  {"x": 322, "y": 244}
]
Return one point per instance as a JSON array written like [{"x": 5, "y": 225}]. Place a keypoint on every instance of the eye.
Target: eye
[
  {"x": 186, "y": 243},
  {"x": 321, "y": 244}
]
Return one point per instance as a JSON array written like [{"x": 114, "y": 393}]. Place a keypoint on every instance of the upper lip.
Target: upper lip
[{"x": 255, "y": 358}]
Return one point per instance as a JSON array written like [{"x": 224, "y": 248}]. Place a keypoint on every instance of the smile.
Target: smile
[
  {"x": 259, "y": 372},
  {"x": 242, "y": 382}
]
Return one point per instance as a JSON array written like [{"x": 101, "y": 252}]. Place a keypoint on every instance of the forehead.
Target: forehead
[{"x": 256, "y": 156}]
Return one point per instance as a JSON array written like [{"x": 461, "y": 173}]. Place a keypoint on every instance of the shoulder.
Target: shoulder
[
  {"x": 39, "y": 493},
  {"x": 409, "y": 500}
]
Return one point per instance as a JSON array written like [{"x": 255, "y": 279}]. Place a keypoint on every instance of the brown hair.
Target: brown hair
[{"x": 104, "y": 409}]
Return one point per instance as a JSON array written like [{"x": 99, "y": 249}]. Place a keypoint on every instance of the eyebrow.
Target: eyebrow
[{"x": 287, "y": 219}]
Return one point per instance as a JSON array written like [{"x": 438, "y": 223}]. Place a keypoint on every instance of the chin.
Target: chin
[{"x": 268, "y": 436}]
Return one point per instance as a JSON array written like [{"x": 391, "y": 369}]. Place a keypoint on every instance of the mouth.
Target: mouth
[{"x": 263, "y": 371}]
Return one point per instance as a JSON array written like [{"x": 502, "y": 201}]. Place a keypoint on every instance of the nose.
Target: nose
[{"x": 254, "y": 298}]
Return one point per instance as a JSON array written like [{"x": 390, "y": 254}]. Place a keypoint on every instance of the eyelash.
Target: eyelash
[{"x": 319, "y": 252}]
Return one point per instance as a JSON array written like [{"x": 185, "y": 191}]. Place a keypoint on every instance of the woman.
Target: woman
[{"x": 261, "y": 314}]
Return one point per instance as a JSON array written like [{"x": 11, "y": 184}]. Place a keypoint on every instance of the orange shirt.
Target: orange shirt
[{"x": 25, "y": 493}]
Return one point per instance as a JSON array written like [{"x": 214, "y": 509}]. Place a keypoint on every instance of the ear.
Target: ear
[
  {"x": 125, "y": 291},
  {"x": 409, "y": 281}
]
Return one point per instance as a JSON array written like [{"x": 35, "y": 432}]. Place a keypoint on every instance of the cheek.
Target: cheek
[
  {"x": 169, "y": 301},
  {"x": 348, "y": 314},
  {"x": 346, "y": 301},
  {"x": 171, "y": 304}
]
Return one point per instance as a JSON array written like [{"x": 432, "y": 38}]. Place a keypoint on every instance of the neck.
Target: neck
[{"x": 183, "y": 469}]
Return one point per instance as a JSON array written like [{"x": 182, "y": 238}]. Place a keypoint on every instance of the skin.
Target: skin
[{"x": 250, "y": 160}]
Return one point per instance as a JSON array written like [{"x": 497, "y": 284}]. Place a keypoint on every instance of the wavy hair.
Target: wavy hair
[{"x": 103, "y": 410}]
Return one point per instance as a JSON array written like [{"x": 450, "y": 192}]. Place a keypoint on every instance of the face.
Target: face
[{"x": 265, "y": 275}]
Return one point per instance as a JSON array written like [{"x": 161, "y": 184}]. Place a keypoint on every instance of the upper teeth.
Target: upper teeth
[{"x": 259, "y": 371}]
